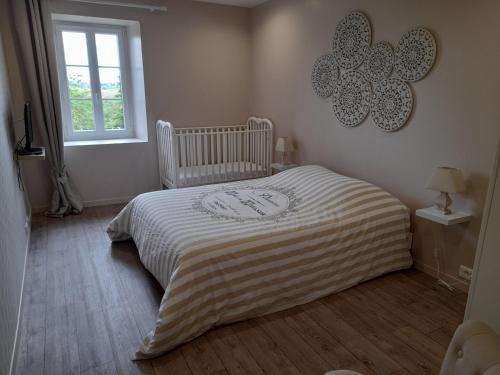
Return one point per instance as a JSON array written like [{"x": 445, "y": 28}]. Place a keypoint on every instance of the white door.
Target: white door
[{"x": 484, "y": 294}]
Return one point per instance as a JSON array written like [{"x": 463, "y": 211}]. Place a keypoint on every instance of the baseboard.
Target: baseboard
[
  {"x": 430, "y": 270},
  {"x": 109, "y": 201},
  {"x": 91, "y": 203},
  {"x": 15, "y": 348}
]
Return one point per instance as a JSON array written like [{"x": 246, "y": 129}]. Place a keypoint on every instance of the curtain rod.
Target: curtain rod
[{"x": 151, "y": 8}]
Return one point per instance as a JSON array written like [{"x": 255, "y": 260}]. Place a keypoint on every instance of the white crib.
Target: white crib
[{"x": 208, "y": 155}]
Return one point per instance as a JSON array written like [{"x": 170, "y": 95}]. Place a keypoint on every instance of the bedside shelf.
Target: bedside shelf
[
  {"x": 30, "y": 157},
  {"x": 433, "y": 214}
]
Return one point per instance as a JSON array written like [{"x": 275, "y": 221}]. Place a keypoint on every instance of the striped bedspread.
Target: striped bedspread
[{"x": 233, "y": 251}]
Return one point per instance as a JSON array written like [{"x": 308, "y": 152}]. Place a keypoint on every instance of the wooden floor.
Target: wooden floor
[{"x": 88, "y": 303}]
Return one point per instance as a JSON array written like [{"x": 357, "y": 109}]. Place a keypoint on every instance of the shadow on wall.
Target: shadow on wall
[{"x": 477, "y": 187}]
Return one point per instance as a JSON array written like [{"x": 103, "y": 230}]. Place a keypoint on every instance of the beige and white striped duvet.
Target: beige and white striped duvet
[{"x": 217, "y": 270}]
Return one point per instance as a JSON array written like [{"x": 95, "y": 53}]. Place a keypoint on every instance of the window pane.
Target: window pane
[
  {"x": 113, "y": 114},
  {"x": 75, "y": 48},
  {"x": 107, "y": 49},
  {"x": 111, "y": 87},
  {"x": 79, "y": 82},
  {"x": 82, "y": 114}
]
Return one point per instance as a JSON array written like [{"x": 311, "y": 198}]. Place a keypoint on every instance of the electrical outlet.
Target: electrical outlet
[{"x": 465, "y": 273}]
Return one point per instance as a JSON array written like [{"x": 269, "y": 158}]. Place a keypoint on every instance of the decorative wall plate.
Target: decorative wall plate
[
  {"x": 351, "y": 98},
  {"x": 391, "y": 104},
  {"x": 352, "y": 35},
  {"x": 379, "y": 60},
  {"x": 415, "y": 54},
  {"x": 324, "y": 75}
]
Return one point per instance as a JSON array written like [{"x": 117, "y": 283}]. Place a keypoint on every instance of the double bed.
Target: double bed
[{"x": 233, "y": 251}]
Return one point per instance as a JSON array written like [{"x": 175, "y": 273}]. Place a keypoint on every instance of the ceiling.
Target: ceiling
[{"x": 238, "y": 3}]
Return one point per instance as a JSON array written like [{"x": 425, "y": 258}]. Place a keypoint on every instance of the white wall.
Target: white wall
[
  {"x": 197, "y": 68},
  {"x": 13, "y": 211},
  {"x": 456, "y": 114}
]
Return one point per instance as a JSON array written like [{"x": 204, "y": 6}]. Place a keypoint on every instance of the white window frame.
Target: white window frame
[{"x": 100, "y": 133}]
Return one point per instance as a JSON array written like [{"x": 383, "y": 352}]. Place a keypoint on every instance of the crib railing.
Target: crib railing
[{"x": 207, "y": 155}]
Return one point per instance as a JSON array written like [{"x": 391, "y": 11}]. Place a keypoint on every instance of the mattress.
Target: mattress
[{"x": 233, "y": 251}]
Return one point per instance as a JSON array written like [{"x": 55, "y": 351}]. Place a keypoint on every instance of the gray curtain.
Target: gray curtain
[{"x": 34, "y": 34}]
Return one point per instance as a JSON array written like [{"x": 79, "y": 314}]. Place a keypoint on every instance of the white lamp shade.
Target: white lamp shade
[
  {"x": 447, "y": 179},
  {"x": 284, "y": 144}
]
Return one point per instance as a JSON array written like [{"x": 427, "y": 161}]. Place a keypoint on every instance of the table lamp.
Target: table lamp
[
  {"x": 284, "y": 146},
  {"x": 446, "y": 180}
]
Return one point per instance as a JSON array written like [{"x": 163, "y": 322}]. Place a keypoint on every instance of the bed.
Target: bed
[{"x": 229, "y": 252}]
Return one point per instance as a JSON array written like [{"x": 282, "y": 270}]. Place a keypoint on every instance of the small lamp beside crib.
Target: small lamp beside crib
[{"x": 284, "y": 146}]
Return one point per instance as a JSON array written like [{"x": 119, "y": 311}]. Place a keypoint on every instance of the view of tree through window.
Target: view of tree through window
[
  {"x": 109, "y": 76},
  {"x": 80, "y": 93},
  {"x": 80, "y": 82}
]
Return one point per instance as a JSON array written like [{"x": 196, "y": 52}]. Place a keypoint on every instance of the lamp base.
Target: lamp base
[
  {"x": 444, "y": 203},
  {"x": 284, "y": 158}
]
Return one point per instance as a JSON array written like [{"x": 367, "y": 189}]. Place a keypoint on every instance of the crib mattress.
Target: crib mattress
[
  {"x": 233, "y": 251},
  {"x": 218, "y": 170}
]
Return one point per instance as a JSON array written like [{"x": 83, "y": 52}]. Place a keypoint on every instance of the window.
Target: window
[{"x": 94, "y": 78}]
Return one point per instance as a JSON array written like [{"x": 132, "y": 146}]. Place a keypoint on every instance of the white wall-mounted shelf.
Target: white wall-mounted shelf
[
  {"x": 433, "y": 214},
  {"x": 31, "y": 157}
]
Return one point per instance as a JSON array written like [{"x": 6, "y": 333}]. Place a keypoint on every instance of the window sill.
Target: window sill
[{"x": 104, "y": 142}]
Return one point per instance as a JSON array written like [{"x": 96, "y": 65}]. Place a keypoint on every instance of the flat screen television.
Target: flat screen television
[{"x": 28, "y": 134}]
